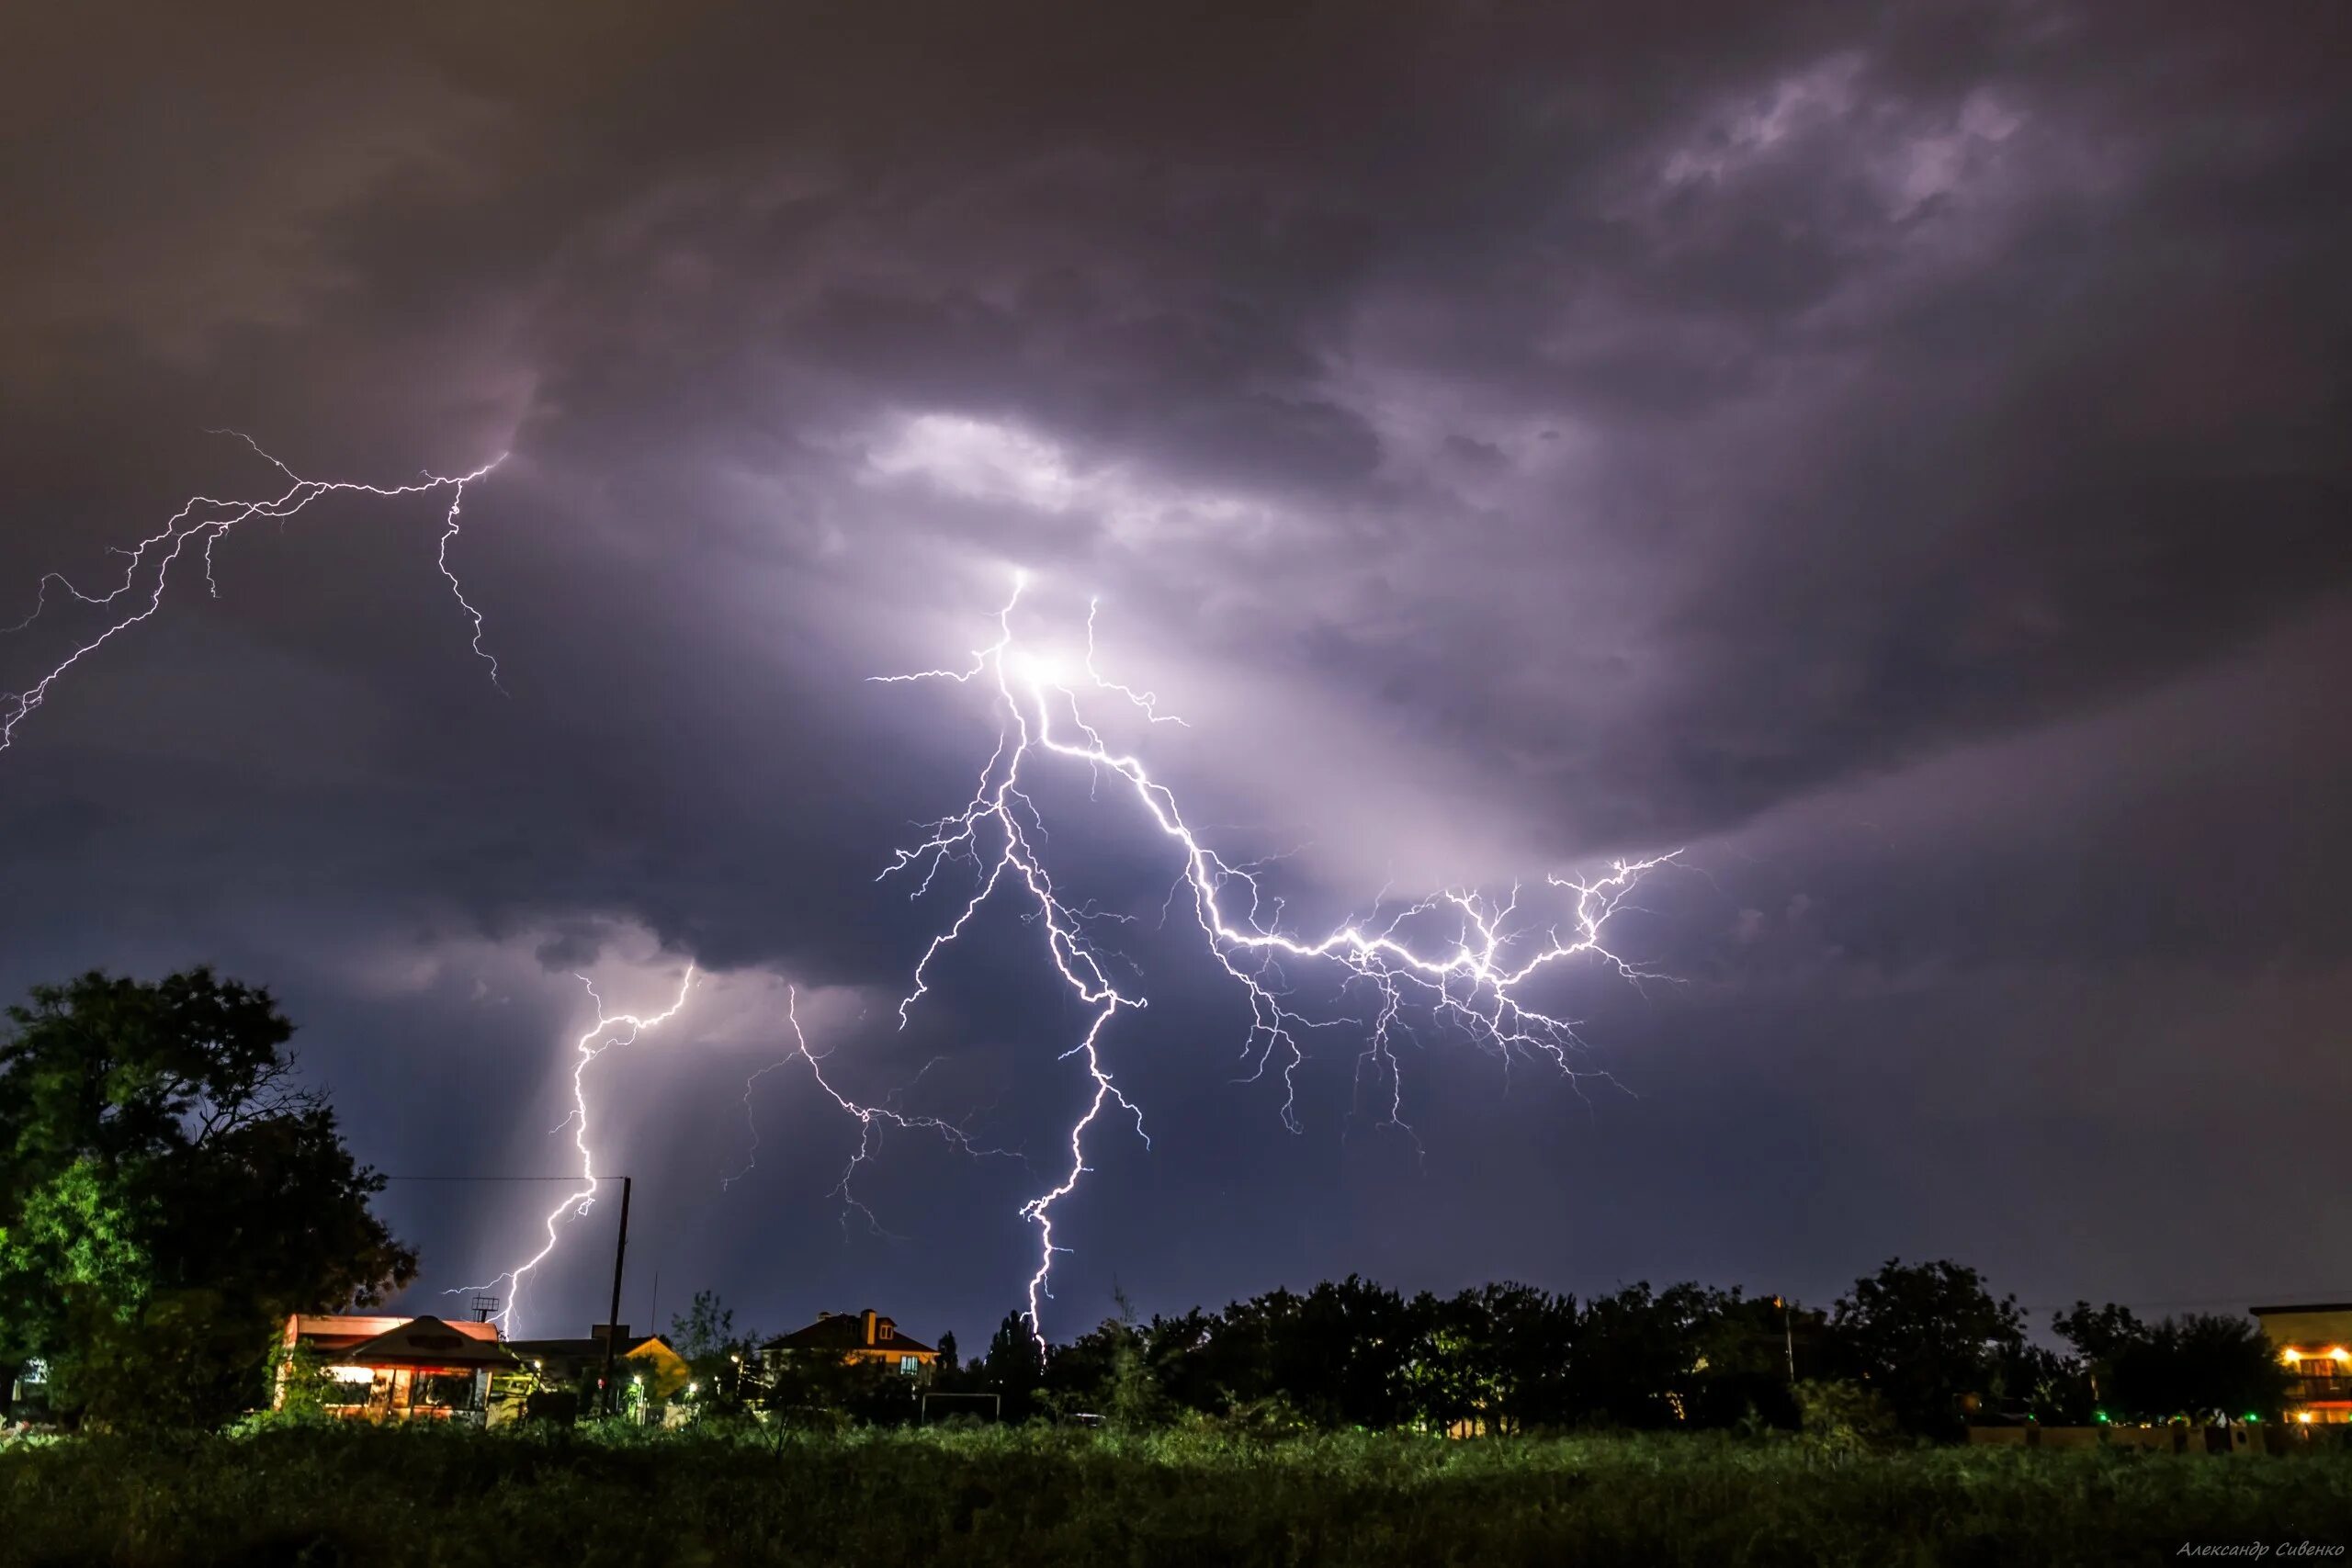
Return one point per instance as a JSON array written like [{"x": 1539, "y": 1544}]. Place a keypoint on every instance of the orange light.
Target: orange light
[
  {"x": 2340, "y": 1354},
  {"x": 2291, "y": 1357}
]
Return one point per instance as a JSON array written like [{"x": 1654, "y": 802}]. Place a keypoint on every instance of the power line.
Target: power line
[{"x": 381, "y": 1177}]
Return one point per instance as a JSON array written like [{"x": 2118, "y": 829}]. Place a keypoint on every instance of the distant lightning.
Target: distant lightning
[
  {"x": 203, "y": 522},
  {"x": 608, "y": 1030},
  {"x": 1470, "y": 974},
  {"x": 870, "y": 1119}
]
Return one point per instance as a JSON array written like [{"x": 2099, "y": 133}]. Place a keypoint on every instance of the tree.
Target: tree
[
  {"x": 2200, "y": 1365},
  {"x": 168, "y": 1191},
  {"x": 2100, "y": 1337},
  {"x": 705, "y": 1338},
  {"x": 1637, "y": 1355},
  {"x": 947, "y": 1364},
  {"x": 1926, "y": 1336},
  {"x": 1014, "y": 1367}
]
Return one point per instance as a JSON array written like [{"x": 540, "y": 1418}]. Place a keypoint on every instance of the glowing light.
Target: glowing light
[
  {"x": 2291, "y": 1357},
  {"x": 203, "y": 522},
  {"x": 608, "y": 1030},
  {"x": 2340, "y": 1354},
  {"x": 1463, "y": 957}
]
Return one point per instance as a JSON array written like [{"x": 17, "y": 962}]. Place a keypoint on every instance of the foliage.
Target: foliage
[
  {"x": 2198, "y": 1365},
  {"x": 1930, "y": 1338},
  {"x": 706, "y": 1340},
  {"x": 2178, "y": 1368},
  {"x": 167, "y": 1193},
  {"x": 1840, "y": 1418},
  {"x": 368, "y": 1497},
  {"x": 1014, "y": 1366}
]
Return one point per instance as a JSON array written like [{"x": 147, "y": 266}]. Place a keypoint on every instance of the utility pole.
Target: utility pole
[
  {"x": 1788, "y": 1334},
  {"x": 613, "y": 1320}
]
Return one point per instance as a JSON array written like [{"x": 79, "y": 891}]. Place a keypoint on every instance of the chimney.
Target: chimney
[
  {"x": 823, "y": 1315},
  {"x": 868, "y": 1315}
]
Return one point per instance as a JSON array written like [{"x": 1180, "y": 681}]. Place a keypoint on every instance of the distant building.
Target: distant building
[
  {"x": 857, "y": 1337},
  {"x": 643, "y": 1361},
  {"x": 2315, "y": 1342},
  {"x": 396, "y": 1368}
]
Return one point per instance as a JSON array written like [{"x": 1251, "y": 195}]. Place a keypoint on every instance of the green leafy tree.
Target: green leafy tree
[
  {"x": 168, "y": 1191},
  {"x": 1927, "y": 1337},
  {"x": 706, "y": 1340},
  {"x": 1109, "y": 1372}
]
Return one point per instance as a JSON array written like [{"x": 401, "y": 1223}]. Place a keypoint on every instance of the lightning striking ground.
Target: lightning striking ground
[
  {"x": 203, "y": 522},
  {"x": 1469, "y": 972},
  {"x": 608, "y": 1030}
]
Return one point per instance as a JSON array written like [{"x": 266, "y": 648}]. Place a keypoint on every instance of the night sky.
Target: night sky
[{"x": 1894, "y": 453}]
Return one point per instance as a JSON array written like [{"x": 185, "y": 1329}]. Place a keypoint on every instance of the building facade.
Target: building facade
[
  {"x": 391, "y": 1367},
  {"x": 2315, "y": 1343}
]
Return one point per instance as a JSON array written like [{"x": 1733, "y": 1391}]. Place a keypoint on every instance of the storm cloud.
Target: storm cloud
[{"x": 1891, "y": 452}]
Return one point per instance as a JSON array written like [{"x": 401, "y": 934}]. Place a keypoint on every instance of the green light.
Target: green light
[
  {"x": 2102, "y": 1417},
  {"x": 2252, "y": 1418}
]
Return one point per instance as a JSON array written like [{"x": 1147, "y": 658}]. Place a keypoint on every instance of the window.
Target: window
[
  {"x": 910, "y": 1365},
  {"x": 442, "y": 1391}
]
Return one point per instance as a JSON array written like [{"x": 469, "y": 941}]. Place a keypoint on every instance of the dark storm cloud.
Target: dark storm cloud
[{"x": 1892, "y": 448}]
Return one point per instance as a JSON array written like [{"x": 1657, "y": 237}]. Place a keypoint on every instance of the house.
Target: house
[
  {"x": 861, "y": 1338},
  {"x": 394, "y": 1368},
  {"x": 2315, "y": 1341},
  {"x": 642, "y": 1361}
]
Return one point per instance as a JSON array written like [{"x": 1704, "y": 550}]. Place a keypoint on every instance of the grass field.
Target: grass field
[{"x": 362, "y": 1496}]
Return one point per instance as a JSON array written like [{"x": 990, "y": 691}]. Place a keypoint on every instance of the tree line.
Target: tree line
[
  {"x": 1915, "y": 1348},
  {"x": 169, "y": 1192}
]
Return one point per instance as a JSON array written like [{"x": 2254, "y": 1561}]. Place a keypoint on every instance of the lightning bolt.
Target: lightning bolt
[
  {"x": 203, "y": 522},
  {"x": 870, "y": 1120},
  {"x": 609, "y": 1031},
  {"x": 1464, "y": 958}
]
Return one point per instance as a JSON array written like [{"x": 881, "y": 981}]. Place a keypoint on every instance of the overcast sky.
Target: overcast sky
[{"x": 1893, "y": 453}]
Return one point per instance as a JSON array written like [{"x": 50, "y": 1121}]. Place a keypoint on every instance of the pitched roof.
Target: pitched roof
[
  {"x": 846, "y": 1331},
  {"x": 429, "y": 1342},
  {"x": 337, "y": 1331}
]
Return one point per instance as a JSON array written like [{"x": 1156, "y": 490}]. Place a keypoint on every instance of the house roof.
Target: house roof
[
  {"x": 580, "y": 1349},
  {"x": 2315, "y": 1307},
  {"x": 337, "y": 1331},
  {"x": 846, "y": 1331},
  {"x": 429, "y": 1342}
]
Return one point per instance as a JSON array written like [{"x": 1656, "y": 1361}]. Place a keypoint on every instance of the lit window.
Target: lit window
[{"x": 909, "y": 1365}]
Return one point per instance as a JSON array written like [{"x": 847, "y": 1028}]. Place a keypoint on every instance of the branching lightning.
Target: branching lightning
[
  {"x": 1471, "y": 973},
  {"x": 203, "y": 522},
  {"x": 608, "y": 1030},
  {"x": 870, "y": 1120}
]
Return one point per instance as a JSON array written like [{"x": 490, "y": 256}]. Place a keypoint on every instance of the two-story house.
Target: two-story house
[
  {"x": 859, "y": 1337},
  {"x": 2315, "y": 1342}
]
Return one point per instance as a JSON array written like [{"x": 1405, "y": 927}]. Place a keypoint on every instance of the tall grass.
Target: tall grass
[{"x": 360, "y": 1497}]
